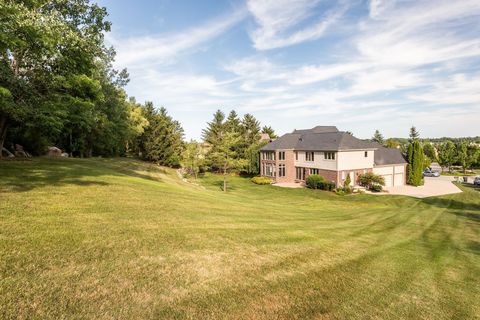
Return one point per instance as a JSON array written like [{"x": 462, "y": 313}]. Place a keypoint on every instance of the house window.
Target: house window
[
  {"x": 329, "y": 155},
  {"x": 366, "y": 154},
  {"x": 269, "y": 156},
  {"x": 270, "y": 170},
  {"x": 344, "y": 175},
  {"x": 310, "y": 156},
  {"x": 314, "y": 171},
  {"x": 300, "y": 173},
  {"x": 281, "y": 155},
  {"x": 296, "y": 155},
  {"x": 281, "y": 170}
]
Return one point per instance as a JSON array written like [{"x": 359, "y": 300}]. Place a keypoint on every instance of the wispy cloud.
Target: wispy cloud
[
  {"x": 165, "y": 48},
  {"x": 389, "y": 62},
  {"x": 277, "y": 20}
]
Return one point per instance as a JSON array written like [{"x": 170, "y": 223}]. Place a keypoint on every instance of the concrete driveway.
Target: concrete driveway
[{"x": 434, "y": 186}]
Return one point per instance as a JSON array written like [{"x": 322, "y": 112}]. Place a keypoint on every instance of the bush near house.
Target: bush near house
[
  {"x": 314, "y": 181},
  {"x": 371, "y": 181},
  {"x": 261, "y": 180}
]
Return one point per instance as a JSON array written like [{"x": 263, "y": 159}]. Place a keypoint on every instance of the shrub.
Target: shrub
[
  {"x": 327, "y": 185},
  {"x": 261, "y": 180},
  {"x": 347, "y": 181},
  {"x": 376, "y": 188},
  {"x": 370, "y": 180},
  {"x": 313, "y": 181}
]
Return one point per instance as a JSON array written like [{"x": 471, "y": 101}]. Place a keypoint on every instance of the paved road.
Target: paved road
[{"x": 434, "y": 186}]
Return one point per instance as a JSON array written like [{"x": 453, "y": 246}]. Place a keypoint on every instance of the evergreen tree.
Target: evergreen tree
[
  {"x": 269, "y": 130},
  {"x": 415, "y": 163},
  {"x": 250, "y": 129},
  {"x": 162, "y": 140},
  {"x": 378, "y": 137},
  {"x": 215, "y": 129},
  {"x": 414, "y": 134},
  {"x": 233, "y": 122}
]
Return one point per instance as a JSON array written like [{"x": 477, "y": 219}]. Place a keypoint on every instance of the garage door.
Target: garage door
[
  {"x": 399, "y": 180},
  {"x": 388, "y": 180}
]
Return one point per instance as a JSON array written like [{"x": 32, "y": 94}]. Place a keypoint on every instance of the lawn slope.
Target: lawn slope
[{"x": 119, "y": 238}]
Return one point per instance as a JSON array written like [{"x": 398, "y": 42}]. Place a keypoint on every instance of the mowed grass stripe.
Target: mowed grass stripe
[{"x": 119, "y": 238}]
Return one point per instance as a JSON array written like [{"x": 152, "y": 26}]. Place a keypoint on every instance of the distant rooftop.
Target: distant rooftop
[{"x": 317, "y": 129}]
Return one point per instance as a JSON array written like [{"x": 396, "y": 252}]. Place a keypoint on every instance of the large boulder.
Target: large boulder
[
  {"x": 54, "y": 152},
  {"x": 19, "y": 152},
  {"x": 6, "y": 153}
]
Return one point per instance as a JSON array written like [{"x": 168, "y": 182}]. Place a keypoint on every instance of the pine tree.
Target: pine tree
[
  {"x": 378, "y": 137},
  {"x": 162, "y": 140},
  {"x": 415, "y": 163},
  {"x": 250, "y": 129},
  {"x": 414, "y": 134},
  {"x": 269, "y": 130},
  {"x": 215, "y": 129},
  {"x": 233, "y": 122}
]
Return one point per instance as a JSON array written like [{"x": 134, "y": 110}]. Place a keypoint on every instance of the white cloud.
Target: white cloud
[
  {"x": 277, "y": 20},
  {"x": 378, "y": 7},
  {"x": 165, "y": 48}
]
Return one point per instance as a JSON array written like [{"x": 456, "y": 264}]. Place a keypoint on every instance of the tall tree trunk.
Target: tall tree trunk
[{"x": 3, "y": 133}]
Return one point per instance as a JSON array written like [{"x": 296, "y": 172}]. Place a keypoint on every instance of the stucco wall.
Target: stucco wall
[
  {"x": 353, "y": 160},
  {"x": 319, "y": 161}
]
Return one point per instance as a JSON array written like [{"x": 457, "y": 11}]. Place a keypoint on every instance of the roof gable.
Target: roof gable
[{"x": 320, "y": 138}]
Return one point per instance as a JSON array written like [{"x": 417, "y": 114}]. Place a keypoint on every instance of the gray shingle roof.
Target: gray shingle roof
[
  {"x": 385, "y": 156},
  {"x": 317, "y": 129},
  {"x": 311, "y": 141}
]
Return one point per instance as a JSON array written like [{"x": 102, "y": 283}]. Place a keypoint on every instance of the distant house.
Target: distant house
[
  {"x": 265, "y": 137},
  {"x": 333, "y": 154}
]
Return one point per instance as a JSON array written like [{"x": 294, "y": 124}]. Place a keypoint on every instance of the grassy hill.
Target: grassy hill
[{"x": 118, "y": 238}]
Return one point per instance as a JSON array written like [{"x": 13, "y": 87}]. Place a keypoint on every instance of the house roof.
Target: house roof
[
  {"x": 328, "y": 138},
  {"x": 317, "y": 129},
  {"x": 320, "y": 138},
  {"x": 385, "y": 156}
]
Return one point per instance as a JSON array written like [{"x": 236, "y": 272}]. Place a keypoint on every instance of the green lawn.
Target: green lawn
[{"x": 121, "y": 239}]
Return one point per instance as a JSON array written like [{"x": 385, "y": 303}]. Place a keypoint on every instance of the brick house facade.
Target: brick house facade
[{"x": 331, "y": 154}]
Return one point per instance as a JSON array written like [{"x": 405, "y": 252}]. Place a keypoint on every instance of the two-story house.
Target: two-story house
[{"x": 333, "y": 154}]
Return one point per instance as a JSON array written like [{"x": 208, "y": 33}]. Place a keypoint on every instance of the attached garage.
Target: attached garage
[
  {"x": 386, "y": 172},
  {"x": 390, "y": 164}
]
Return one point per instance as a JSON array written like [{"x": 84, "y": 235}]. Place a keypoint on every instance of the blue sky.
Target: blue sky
[{"x": 359, "y": 65}]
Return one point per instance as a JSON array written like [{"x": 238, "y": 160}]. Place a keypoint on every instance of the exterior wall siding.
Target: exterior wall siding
[
  {"x": 356, "y": 173},
  {"x": 319, "y": 161},
  {"x": 335, "y": 170},
  {"x": 355, "y": 160}
]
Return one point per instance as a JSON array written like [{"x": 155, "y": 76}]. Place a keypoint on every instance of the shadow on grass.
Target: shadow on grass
[
  {"x": 451, "y": 203},
  {"x": 25, "y": 176}
]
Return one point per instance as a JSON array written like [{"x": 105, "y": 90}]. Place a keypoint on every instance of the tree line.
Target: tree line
[
  {"x": 231, "y": 144},
  {"x": 58, "y": 87},
  {"x": 420, "y": 153}
]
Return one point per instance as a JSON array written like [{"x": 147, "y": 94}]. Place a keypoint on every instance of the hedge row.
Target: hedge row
[{"x": 314, "y": 181}]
